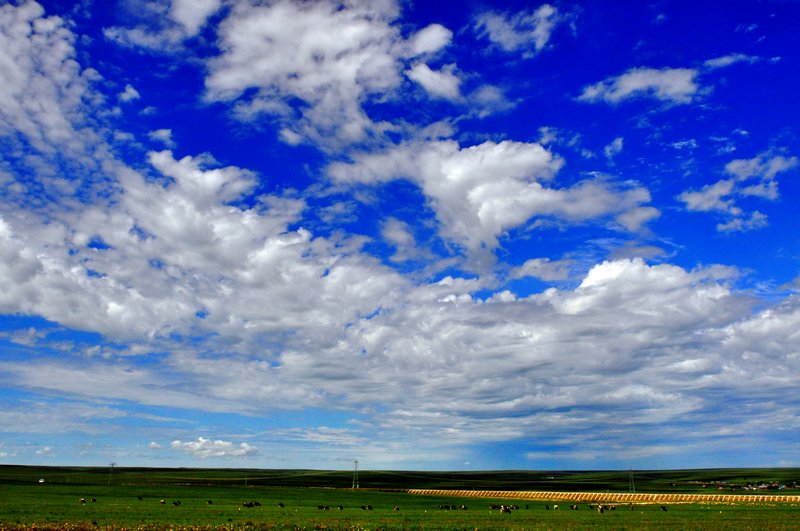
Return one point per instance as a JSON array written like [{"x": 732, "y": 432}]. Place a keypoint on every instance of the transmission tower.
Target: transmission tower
[{"x": 355, "y": 474}]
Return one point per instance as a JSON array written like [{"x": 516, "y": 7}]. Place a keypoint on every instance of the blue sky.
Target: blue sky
[{"x": 294, "y": 234}]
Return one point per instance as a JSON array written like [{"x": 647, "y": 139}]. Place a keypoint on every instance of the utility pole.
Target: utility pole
[
  {"x": 631, "y": 485},
  {"x": 355, "y": 474},
  {"x": 111, "y": 472}
]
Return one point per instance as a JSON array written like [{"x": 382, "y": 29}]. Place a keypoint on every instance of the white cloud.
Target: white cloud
[
  {"x": 192, "y": 14},
  {"x": 710, "y": 197},
  {"x": 526, "y": 31},
  {"x": 675, "y": 85},
  {"x": 43, "y": 85},
  {"x": 206, "y": 448},
  {"x": 285, "y": 50},
  {"x": 754, "y": 177},
  {"x": 743, "y": 223},
  {"x": 543, "y": 268},
  {"x": 429, "y": 40},
  {"x": 614, "y": 148},
  {"x": 760, "y": 167},
  {"x": 481, "y": 191},
  {"x": 438, "y": 83},
  {"x": 161, "y": 26},
  {"x": 164, "y": 136},
  {"x": 728, "y": 60},
  {"x": 129, "y": 94},
  {"x": 398, "y": 234}
]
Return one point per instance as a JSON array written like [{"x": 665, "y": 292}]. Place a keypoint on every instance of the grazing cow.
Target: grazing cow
[
  {"x": 83, "y": 500},
  {"x": 281, "y": 505},
  {"x": 555, "y": 507},
  {"x": 139, "y": 498},
  {"x": 664, "y": 508},
  {"x": 547, "y": 507},
  {"x": 94, "y": 500},
  {"x": 341, "y": 507},
  {"x": 323, "y": 508},
  {"x": 176, "y": 503},
  {"x": 396, "y": 508},
  {"x": 209, "y": 502},
  {"x": 463, "y": 507},
  {"x": 574, "y": 507},
  {"x": 162, "y": 502},
  {"x": 505, "y": 509}
]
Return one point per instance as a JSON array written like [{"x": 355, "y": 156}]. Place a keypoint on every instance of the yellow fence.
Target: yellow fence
[{"x": 611, "y": 497}]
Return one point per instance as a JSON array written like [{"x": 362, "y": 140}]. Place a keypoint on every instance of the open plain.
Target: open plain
[{"x": 154, "y": 499}]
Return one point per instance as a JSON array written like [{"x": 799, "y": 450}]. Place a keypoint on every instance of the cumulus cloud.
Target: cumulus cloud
[
  {"x": 192, "y": 14},
  {"x": 429, "y": 40},
  {"x": 164, "y": 136},
  {"x": 614, "y": 148},
  {"x": 543, "y": 268},
  {"x": 129, "y": 94},
  {"x": 478, "y": 192},
  {"x": 526, "y": 31},
  {"x": 206, "y": 448},
  {"x": 161, "y": 27},
  {"x": 399, "y": 234},
  {"x": 438, "y": 83},
  {"x": 285, "y": 50},
  {"x": 43, "y": 84},
  {"x": 674, "y": 85},
  {"x": 754, "y": 177}
]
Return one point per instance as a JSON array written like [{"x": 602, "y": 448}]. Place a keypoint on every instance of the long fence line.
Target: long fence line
[{"x": 610, "y": 497}]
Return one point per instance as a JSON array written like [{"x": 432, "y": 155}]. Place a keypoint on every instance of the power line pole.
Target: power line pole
[{"x": 355, "y": 474}]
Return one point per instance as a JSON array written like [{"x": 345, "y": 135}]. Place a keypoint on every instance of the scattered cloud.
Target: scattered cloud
[
  {"x": 614, "y": 148},
  {"x": 728, "y": 60},
  {"x": 284, "y": 50},
  {"x": 674, "y": 85},
  {"x": 749, "y": 178},
  {"x": 204, "y": 448},
  {"x": 527, "y": 32},
  {"x": 129, "y": 94},
  {"x": 543, "y": 268},
  {"x": 438, "y": 83},
  {"x": 403, "y": 285}
]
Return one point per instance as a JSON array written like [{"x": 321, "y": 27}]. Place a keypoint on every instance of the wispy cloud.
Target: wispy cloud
[
  {"x": 674, "y": 85},
  {"x": 527, "y": 32}
]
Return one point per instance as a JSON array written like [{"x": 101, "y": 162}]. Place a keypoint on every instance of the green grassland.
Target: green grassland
[{"x": 26, "y": 503}]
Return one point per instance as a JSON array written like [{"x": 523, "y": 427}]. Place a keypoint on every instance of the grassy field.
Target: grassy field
[{"x": 55, "y": 504}]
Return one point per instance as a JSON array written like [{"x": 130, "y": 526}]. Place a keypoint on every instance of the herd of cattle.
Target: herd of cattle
[{"x": 601, "y": 508}]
